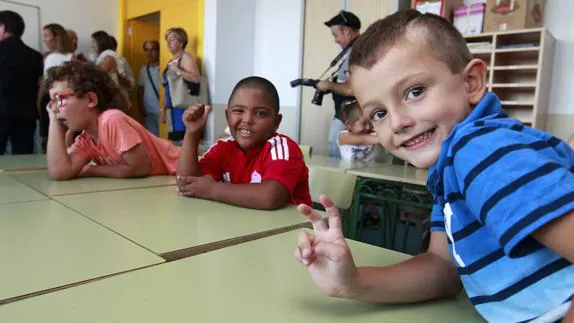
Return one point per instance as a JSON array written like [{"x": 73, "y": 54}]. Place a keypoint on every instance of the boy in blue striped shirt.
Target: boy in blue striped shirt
[{"x": 504, "y": 193}]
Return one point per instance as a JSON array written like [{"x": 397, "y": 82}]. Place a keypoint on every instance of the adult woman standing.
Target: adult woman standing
[
  {"x": 106, "y": 57},
  {"x": 183, "y": 65},
  {"x": 60, "y": 50}
]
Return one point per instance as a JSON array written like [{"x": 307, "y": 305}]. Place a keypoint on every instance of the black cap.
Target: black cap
[{"x": 345, "y": 18}]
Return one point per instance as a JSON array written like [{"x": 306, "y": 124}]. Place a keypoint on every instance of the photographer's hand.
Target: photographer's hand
[{"x": 324, "y": 86}]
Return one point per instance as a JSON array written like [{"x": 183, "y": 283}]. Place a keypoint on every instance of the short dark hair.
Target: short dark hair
[
  {"x": 260, "y": 83},
  {"x": 114, "y": 42},
  {"x": 443, "y": 39},
  {"x": 154, "y": 42},
  {"x": 103, "y": 40},
  {"x": 84, "y": 77},
  {"x": 12, "y": 22}
]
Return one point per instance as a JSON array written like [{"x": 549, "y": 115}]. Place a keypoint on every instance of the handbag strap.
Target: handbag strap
[{"x": 151, "y": 81}]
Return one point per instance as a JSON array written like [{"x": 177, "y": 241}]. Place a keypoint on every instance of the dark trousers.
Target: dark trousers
[{"x": 20, "y": 132}]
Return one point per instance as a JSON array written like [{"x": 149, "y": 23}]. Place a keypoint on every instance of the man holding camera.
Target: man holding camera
[{"x": 345, "y": 28}]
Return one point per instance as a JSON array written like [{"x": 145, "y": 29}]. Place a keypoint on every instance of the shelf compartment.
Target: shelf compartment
[
  {"x": 517, "y": 50},
  {"x": 521, "y": 58},
  {"x": 515, "y": 67},
  {"x": 520, "y": 112},
  {"x": 485, "y": 56},
  {"x": 515, "y": 96},
  {"x": 519, "y": 77},
  {"x": 521, "y": 39}
]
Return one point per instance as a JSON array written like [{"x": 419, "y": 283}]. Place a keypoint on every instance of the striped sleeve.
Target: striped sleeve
[
  {"x": 437, "y": 218},
  {"x": 512, "y": 182}
]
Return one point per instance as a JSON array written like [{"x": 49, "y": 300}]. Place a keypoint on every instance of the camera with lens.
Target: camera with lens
[{"x": 318, "y": 96}]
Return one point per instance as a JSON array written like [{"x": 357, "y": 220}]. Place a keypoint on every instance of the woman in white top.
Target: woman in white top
[
  {"x": 60, "y": 50},
  {"x": 106, "y": 57},
  {"x": 109, "y": 61}
]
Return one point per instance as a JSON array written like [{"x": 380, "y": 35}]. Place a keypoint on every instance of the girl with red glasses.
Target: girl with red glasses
[{"x": 111, "y": 144}]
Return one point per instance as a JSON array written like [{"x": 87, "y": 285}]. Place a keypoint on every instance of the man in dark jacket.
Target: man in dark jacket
[{"x": 21, "y": 69}]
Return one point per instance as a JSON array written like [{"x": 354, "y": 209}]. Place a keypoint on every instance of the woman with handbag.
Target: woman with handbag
[{"x": 181, "y": 79}]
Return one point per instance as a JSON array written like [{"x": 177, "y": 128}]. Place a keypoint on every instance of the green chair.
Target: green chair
[
  {"x": 306, "y": 149},
  {"x": 388, "y": 197},
  {"x": 338, "y": 186}
]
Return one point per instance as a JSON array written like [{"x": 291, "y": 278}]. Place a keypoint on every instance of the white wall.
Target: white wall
[
  {"x": 249, "y": 37},
  {"x": 278, "y": 54},
  {"x": 83, "y": 16},
  {"x": 558, "y": 20}
]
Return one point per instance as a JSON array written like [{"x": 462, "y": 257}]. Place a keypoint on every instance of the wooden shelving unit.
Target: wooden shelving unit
[{"x": 519, "y": 70}]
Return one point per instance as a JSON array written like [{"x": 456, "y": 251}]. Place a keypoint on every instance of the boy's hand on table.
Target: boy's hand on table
[
  {"x": 326, "y": 253},
  {"x": 195, "y": 186},
  {"x": 195, "y": 117}
]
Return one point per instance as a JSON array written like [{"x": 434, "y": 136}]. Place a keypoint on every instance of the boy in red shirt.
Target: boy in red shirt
[{"x": 257, "y": 168}]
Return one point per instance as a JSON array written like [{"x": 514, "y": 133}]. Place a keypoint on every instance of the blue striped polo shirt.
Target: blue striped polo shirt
[{"x": 495, "y": 183}]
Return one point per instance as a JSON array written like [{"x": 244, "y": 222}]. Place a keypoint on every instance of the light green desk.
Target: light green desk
[
  {"x": 162, "y": 221},
  {"x": 23, "y": 162},
  {"x": 12, "y": 191},
  {"x": 42, "y": 183},
  {"x": 44, "y": 245},
  {"x": 259, "y": 281},
  {"x": 333, "y": 164},
  {"x": 393, "y": 173}
]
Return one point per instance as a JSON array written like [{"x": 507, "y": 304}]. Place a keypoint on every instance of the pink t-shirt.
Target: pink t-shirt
[{"x": 118, "y": 133}]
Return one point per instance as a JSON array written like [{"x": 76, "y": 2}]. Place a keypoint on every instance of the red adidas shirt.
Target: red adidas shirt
[{"x": 280, "y": 159}]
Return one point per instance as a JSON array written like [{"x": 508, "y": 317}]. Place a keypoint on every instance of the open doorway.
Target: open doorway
[{"x": 139, "y": 30}]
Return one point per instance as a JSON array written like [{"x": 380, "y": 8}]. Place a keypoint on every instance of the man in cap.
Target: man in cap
[{"x": 345, "y": 28}]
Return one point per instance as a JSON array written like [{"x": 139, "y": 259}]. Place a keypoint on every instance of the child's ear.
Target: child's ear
[
  {"x": 475, "y": 80},
  {"x": 92, "y": 99},
  {"x": 278, "y": 119}
]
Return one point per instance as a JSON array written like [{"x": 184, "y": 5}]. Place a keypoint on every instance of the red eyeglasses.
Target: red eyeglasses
[{"x": 58, "y": 100}]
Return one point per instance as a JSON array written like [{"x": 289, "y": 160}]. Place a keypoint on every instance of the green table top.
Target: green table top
[
  {"x": 259, "y": 281},
  {"x": 334, "y": 164},
  {"x": 42, "y": 183},
  {"x": 393, "y": 173},
  {"x": 162, "y": 221},
  {"x": 23, "y": 162},
  {"x": 44, "y": 245},
  {"x": 12, "y": 191}
]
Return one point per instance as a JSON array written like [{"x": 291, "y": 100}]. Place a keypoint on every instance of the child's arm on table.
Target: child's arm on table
[
  {"x": 328, "y": 258},
  {"x": 136, "y": 163},
  {"x": 571, "y": 141},
  {"x": 194, "y": 118},
  {"x": 267, "y": 195},
  {"x": 61, "y": 165},
  {"x": 347, "y": 138}
]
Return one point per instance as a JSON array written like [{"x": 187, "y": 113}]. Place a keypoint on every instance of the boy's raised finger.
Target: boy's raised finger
[
  {"x": 332, "y": 211},
  {"x": 318, "y": 223}
]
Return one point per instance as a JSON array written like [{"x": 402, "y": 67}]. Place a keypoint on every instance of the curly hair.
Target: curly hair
[{"x": 85, "y": 77}]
